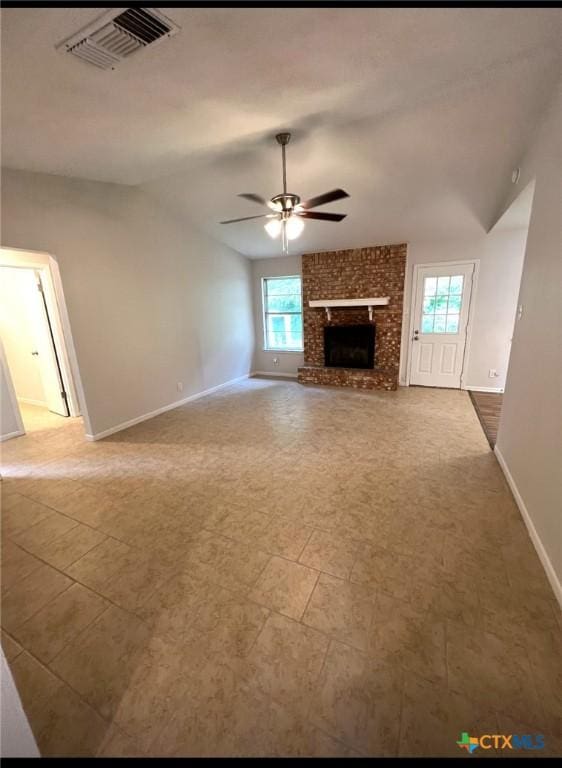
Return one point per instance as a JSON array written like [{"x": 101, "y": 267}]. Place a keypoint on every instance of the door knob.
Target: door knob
[
  {"x": 35, "y": 353},
  {"x": 416, "y": 335}
]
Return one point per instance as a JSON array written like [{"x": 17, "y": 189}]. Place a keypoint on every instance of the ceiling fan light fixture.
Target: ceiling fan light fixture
[
  {"x": 273, "y": 228},
  {"x": 289, "y": 211},
  {"x": 294, "y": 227}
]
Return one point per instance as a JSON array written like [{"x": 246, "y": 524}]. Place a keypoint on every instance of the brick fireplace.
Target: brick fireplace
[{"x": 357, "y": 273}]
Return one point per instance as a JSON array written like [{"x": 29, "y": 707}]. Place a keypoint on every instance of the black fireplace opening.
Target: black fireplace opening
[{"x": 349, "y": 346}]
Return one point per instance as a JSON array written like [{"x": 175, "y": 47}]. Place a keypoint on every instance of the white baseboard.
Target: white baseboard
[
  {"x": 29, "y": 401},
  {"x": 158, "y": 411},
  {"x": 541, "y": 552},
  {"x": 274, "y": 373},
  {"x": 498, "y": 390},
  {"x": 17, "y": 433}
]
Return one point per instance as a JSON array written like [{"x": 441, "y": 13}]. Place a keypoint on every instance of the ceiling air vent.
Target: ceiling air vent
[{"x": 117, "y": 35}]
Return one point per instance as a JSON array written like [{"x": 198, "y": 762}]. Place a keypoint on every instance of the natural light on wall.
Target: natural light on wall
[{"x": 282, "y": 309}]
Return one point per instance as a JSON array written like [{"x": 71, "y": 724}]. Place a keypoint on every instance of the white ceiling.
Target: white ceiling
[{"x": 420, "y": 114}]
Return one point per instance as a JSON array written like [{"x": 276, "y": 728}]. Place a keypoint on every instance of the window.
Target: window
[
  {"x": 442, "y": 297},
  {"x": 282, "y": 313}
]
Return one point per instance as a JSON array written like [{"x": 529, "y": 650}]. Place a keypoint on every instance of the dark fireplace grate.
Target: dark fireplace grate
[{"x": 349, "y": 346}]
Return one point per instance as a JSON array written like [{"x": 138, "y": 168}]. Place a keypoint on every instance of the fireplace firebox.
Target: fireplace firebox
[{"x": 349, "y": 346}]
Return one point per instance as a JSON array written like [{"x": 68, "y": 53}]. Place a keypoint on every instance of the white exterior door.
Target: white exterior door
[{"x": 440, "y": 314}]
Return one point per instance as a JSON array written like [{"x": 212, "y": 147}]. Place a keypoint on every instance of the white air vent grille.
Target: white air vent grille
[{"x": 117, "y": 35}]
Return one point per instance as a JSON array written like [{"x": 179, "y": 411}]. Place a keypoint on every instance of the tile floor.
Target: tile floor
[
  {"x": 275, "y": 570},
  {"x": 39, "y": 419}
]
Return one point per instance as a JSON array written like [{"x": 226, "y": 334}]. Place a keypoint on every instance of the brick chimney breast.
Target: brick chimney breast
[{"x": 351, "y": 274}]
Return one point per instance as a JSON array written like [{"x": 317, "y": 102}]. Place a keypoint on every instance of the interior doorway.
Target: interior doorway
[
  {"x": 37, "y": 349},
  {"x": 27, "y": 334},
  {"x": 488, "y": 405}
]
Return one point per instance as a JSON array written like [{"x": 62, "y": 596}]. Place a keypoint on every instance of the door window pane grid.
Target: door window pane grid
[{"x": 442, "y": 299}]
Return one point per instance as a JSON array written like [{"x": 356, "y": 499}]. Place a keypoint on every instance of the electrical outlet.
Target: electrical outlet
[
  {"x": 275, "y": 361},
  {"x": 179, "y": 385},
  {"x": 492, "y": 373}
]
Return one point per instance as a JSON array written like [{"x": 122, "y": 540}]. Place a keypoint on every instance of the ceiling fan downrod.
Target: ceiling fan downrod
[
  {"x": 286, "y": 202},
  {"x": 283, "y": 139}
]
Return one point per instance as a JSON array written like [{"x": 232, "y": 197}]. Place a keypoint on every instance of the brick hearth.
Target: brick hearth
[{"x": 356, "y": 273}]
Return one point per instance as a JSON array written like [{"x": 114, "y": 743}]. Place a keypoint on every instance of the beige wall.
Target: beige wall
[
  {"x": 530, "y": 432},
  {"x": 287, "y": 362},
  {"x": 151, "y": 301},
  {"x": 495, "y": 301}
]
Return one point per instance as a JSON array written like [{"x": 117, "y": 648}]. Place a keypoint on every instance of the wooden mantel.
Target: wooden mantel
[{"x": 327, "y": 304}]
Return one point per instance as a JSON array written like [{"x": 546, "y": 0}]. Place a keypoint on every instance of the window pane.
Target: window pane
[
  {"x": 452, "y": 324},
  {"x": 442, "y": 301},
  {"x": 441, "y": 305},
  {"x": 277, "y": 286},
  {"x": 286, "y": 341},
  {"x": 276, "y": 330},
  {"x": 296, "y": 324},
  {"x": 282, "y": 296},
  {"x": 427, "y": 324},
  {"x": 454, "y": 303},
  {"x": 439, "y": 325},
  {"x": 429, "y": 286},
  {"x": 443, "y": 284},
  {"x": 456, "y": 284},
  {"x": 287, "y": 332},
  {"x": 429, "y": 305},
  {"x": 285, "y": 303}
]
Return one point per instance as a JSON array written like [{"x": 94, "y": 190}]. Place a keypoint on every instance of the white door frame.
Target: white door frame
[
  {"x": 48, "y": 267},
  {"x": 413, "y": 294}
]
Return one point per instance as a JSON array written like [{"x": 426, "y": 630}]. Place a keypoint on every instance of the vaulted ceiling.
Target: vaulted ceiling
[{"x": 420, "y": 114}]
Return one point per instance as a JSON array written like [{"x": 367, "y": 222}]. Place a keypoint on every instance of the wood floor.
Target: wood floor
[
  {"x": 488, "y": 406},
  {"x": 275, "y": 570}
]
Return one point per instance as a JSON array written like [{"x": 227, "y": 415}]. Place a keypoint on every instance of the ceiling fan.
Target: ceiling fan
[{"x": 289, "y": 213}]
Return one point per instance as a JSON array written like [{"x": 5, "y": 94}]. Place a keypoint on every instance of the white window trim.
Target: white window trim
[{"x": 264, "y": 315}]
